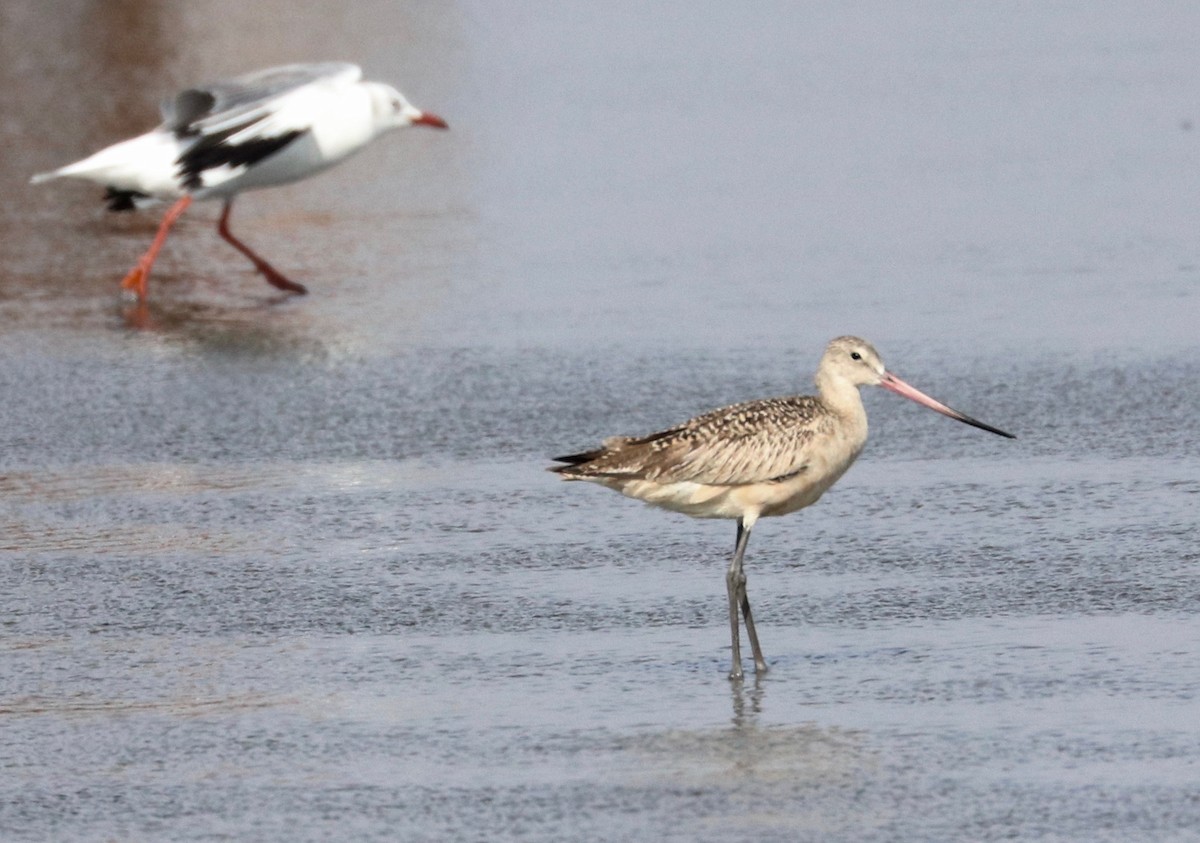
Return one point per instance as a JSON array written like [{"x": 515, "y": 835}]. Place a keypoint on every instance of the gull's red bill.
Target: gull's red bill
[{"x": 427, "y": 119}]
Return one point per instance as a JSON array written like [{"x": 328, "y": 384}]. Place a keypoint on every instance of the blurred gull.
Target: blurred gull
[{"x": 266, "y": 128}]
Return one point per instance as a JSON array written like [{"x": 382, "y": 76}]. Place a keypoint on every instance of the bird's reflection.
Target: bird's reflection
[
  {"x": 174, "y": 318},
  {"x": 137, "y": 317},
  {"x": 748, "y": 699},
  {"x": 266, "y": 329}
]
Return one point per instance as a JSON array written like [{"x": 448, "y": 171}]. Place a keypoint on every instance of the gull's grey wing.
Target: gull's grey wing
[
  {"x": 234, "y": 124},
  {"x": 244, "y": 99}
]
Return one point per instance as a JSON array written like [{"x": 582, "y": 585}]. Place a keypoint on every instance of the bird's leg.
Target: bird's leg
[
  {"x": 140, "y": 274},
  {"x": 735, "y": 586},
  {"x": 274, "y": 277},
  {"x": 760, "y": 663}
]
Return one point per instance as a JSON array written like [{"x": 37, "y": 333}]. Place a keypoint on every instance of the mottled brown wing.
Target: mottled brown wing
[
  {"x": 757, "y": 457},
  {"x": 752, "y": 442}
]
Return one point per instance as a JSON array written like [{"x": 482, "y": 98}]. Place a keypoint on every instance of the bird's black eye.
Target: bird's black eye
[{"x": 854, "y": 355}]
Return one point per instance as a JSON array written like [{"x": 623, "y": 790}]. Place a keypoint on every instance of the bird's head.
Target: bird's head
[
  {"x": 852, "y": 360},
  {"x": 393, "y": 111}
]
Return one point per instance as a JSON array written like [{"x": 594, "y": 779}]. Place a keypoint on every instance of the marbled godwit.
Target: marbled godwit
[
  {"x": 263, "y": 129},
  {"x": 759, "y": 458}
]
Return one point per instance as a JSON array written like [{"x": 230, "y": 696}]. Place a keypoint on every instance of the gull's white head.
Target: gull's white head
[{"x": 393, "y": 111}]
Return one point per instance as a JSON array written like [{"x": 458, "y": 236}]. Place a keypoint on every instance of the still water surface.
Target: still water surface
[{"x": 293, "y": 570}]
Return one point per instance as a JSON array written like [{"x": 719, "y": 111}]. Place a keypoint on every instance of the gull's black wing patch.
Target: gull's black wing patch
[{"x": 212, "y": 151}]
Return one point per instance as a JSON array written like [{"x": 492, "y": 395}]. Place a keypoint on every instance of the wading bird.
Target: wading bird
[
  {"x": 759, "y": 458},
  {"x": 263, "y": 129}
]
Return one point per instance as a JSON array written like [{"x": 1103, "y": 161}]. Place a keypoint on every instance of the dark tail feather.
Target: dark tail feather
[
  {"x": 574, "y": 459},
  {"x": 122, "y": 200}
]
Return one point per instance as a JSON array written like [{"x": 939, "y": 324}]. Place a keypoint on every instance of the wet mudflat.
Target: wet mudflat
[{"x": 287, "y": 570}]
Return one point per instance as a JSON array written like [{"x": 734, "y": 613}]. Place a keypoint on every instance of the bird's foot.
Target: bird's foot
[
  {"x": 135, "y": 281},
  {"x": 276, "y": 279}
]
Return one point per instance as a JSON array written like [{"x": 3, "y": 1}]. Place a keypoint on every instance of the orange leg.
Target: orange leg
[
  {"x": 137, "y": 277},
  {"x": 273, "y": 276}
]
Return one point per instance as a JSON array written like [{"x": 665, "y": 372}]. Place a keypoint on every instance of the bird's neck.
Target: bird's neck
[{"x": 841, "y": 396}]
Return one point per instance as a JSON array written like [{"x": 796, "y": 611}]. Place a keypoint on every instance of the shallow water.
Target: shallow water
[{"x": 289, "y": 570}]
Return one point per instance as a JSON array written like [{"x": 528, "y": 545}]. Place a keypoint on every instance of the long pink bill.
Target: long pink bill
[{"x": 894, "y": 384}]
